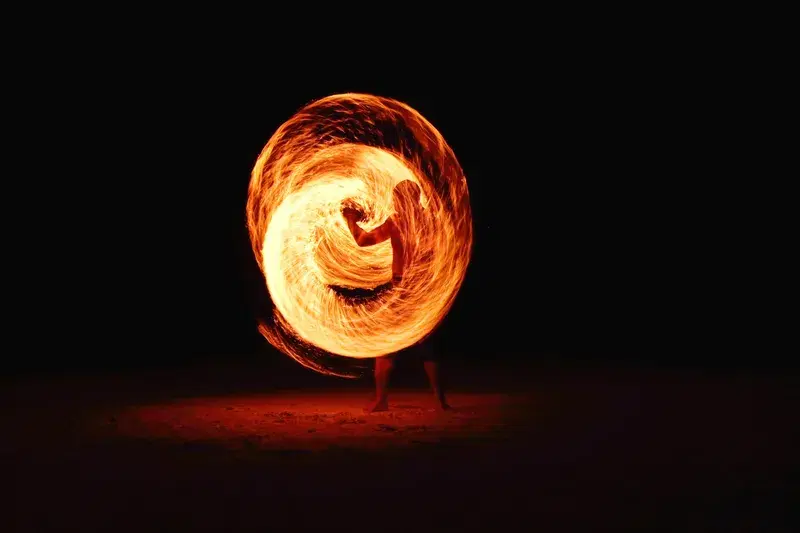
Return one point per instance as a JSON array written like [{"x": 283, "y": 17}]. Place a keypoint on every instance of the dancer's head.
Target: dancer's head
[{"x": 407, "y": 192}]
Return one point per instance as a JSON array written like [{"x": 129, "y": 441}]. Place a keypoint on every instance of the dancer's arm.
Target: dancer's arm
[{"x": 366, "y": 238}]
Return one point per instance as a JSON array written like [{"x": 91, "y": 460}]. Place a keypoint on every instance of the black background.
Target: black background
[{"x": 600, "y": 228}]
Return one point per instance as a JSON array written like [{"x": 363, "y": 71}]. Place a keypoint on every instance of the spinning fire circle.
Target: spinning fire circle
[{"x": 333, "y": 305}]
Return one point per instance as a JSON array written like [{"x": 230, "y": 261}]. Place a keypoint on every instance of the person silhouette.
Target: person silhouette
[{"x": 407, "y": 211}]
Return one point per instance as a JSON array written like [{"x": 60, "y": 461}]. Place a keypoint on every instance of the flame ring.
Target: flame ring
[{"x": 354, "y": 148}]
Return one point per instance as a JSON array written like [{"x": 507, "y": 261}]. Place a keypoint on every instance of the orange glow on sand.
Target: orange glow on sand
[
  {"x": 353, "y": 149},
  {"x": 314, "y": 420}
]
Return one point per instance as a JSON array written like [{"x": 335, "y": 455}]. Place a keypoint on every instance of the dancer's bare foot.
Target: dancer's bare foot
[
  {"x": 377, "y": 406},
  {"x": 441, "y": 402}
]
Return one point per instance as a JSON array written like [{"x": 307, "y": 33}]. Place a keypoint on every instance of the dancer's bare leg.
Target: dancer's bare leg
[
  {"x": 435, "y": 379},
  {"x": 383, "y": 369}
]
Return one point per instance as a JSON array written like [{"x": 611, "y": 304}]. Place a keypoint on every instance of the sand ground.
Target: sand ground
[{"x": 570, "y": 450}]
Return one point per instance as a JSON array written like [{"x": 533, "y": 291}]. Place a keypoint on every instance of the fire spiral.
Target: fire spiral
[{"x": 334, "y": 301}]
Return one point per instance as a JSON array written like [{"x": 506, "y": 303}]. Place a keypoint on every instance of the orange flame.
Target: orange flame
[{"x": 353, "y": 149}]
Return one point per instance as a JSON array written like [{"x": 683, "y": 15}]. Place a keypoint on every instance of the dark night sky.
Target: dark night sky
[{"x": 592, "y": 233}]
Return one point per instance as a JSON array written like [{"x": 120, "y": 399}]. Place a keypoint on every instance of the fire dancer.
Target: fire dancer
[{"x": 407, "y": 212}]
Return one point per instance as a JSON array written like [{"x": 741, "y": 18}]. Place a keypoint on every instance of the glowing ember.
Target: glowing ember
[{"x": 330, "y": 295}]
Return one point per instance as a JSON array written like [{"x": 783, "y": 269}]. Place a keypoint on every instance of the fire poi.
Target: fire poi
[{"x": 352, "y": 150}]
